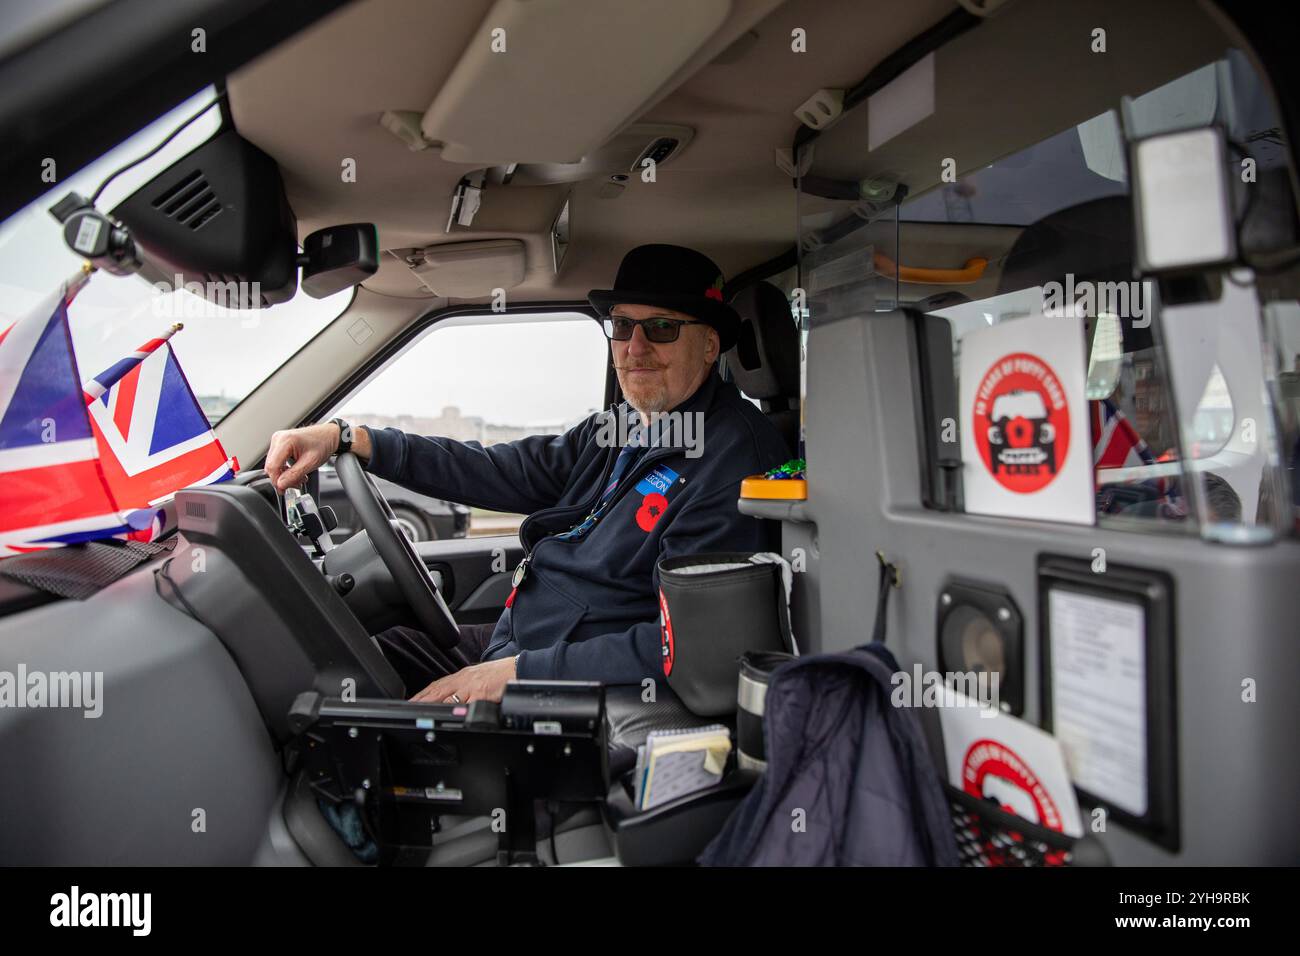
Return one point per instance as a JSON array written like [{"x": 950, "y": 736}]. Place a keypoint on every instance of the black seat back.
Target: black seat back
[{"x": 764, "y": 362}]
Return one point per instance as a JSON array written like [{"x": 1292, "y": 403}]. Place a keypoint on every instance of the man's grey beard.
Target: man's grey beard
[{"x": 650, "y": 403}]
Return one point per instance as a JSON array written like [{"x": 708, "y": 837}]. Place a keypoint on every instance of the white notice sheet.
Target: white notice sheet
[{"x": 1099, "y": 694}]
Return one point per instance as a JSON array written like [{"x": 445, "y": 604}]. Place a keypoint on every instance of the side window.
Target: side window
[{"x": 484, "y": 379}]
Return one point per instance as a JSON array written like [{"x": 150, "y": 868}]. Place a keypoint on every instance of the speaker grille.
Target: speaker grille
[{"x": 191, "y": 202}]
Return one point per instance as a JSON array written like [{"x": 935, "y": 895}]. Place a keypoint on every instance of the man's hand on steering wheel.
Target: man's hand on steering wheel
[{"x": 308, "y": 448}]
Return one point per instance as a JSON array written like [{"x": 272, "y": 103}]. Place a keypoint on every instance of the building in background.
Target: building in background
[{"x": 453, "y": 424}]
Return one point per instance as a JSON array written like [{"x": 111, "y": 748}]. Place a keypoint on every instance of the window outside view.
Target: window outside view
[{"x": 489, "y": 380}]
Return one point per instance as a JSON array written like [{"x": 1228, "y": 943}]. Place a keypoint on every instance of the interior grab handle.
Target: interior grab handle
[{"x": 973, "y": 271}]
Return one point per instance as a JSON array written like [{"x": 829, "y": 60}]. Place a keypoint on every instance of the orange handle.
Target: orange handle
[{"x": 971, "y": 272}]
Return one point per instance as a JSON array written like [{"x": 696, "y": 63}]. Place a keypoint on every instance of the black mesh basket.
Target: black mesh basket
[{"x": 989, "y": 836}]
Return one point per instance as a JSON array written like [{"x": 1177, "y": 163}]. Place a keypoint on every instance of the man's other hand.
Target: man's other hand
[
  {"x": 486, "y": 681},
  {"x": 308, "y": 448}
]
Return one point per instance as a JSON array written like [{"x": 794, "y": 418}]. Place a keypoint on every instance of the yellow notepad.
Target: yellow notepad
[{"x": 674, "y": 763}]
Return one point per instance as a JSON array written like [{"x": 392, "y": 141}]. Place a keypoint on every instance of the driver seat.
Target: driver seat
[
  {"x": 629, "y": 718},
  {"x": 764, "y": 362}
]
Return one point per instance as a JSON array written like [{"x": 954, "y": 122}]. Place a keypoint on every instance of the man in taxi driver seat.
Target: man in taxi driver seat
[{"x": 605, "y": 501}]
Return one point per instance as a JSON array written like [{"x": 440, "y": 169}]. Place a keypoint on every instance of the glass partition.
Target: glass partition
[{"x": 1192, "y": 383}]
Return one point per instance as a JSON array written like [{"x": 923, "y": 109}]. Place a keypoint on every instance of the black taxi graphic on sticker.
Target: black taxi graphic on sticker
[{"x": 1021, "y": 422}]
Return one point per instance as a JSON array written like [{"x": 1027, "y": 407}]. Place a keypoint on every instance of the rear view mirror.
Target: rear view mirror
[{"x": 339, "y": 257}]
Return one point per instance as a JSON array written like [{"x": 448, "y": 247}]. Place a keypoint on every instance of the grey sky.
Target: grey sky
[{"x": 516, "y": 373}]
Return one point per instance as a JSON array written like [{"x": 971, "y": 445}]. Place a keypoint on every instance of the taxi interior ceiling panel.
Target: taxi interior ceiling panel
[
  {"x": 1036, "y": 43},
  {"x": 297, "y": 104},
  {"x": 524, "y": 76}
]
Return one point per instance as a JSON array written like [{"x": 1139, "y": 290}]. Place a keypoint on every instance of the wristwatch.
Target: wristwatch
[{"x": 345, "y": 435}]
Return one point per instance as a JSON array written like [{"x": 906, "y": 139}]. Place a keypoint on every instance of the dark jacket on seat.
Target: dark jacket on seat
[
  {"x": 849, "y": 781},
  {"x": 588, "y": 607}
]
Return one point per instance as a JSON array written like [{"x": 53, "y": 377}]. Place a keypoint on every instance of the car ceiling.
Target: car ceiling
[{"x": 317, "y": 100}]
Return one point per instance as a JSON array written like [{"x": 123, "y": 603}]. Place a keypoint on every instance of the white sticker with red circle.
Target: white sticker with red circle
[
  {"x": 997, "y": 757},
  {"x": 1024, "y": 428}
]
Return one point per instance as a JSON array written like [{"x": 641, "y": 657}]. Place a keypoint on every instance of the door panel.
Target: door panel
[{"x": 476, "y": 573}]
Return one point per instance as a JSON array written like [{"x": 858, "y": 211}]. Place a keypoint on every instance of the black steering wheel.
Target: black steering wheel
[{"x": 395, "y": 550}]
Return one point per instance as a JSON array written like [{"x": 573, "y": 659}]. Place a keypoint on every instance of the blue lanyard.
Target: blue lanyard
[{"x": 625, "y": 458}]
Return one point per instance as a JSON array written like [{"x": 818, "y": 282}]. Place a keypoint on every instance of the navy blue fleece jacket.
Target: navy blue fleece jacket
[{"x": 588, "y": 607}]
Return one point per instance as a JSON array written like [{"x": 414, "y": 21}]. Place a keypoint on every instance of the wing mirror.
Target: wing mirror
[{"x": 338, "y": 257}]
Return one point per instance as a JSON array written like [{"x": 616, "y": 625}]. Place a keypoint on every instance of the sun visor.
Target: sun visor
[
  {"x": 470, "y": 270},
  {"x": 525, "y": 91}
]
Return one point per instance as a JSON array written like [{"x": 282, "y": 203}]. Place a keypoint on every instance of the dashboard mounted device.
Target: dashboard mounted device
[
  {"x": 403, "y": 765},
  {"x": 217, "y": 222}
]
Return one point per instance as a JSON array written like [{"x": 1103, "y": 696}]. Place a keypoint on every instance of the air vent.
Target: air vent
[
  {"x": 196, "y": 509},
  {"x": 191, "y": 202}
]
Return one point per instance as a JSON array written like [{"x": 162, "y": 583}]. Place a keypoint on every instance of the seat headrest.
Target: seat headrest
[
  {"x": 765, "y": 359},
  {"x": 1093, "y": 241}
]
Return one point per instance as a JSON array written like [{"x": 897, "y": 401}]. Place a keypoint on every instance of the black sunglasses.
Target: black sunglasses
[{"x": 658, "y": 330}]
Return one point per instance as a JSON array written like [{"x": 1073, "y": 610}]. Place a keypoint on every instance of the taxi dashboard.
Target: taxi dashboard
[{"x": 195, "y": 658}]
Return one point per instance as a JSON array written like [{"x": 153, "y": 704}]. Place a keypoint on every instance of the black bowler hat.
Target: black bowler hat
[{"x": 673, "y": 277}]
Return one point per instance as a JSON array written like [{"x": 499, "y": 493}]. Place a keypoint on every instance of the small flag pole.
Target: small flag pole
[
  {"x": 78, "y": 281},
  {"x": 101, "y": 383}
]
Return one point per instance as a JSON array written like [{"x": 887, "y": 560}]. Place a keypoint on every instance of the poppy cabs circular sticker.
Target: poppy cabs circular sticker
[
  {"x": 991, "y": 768},
  {"x": 1021, "y": 422}
]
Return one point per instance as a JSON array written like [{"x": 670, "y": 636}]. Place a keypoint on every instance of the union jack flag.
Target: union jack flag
[
  {"x": 152, "y": 435},
  {"x": 52, "y": 488},
  {"x": 101, "y": 383},
  {"x": 78, "y": 462},
  {"x": 1115, "y": 442}
]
